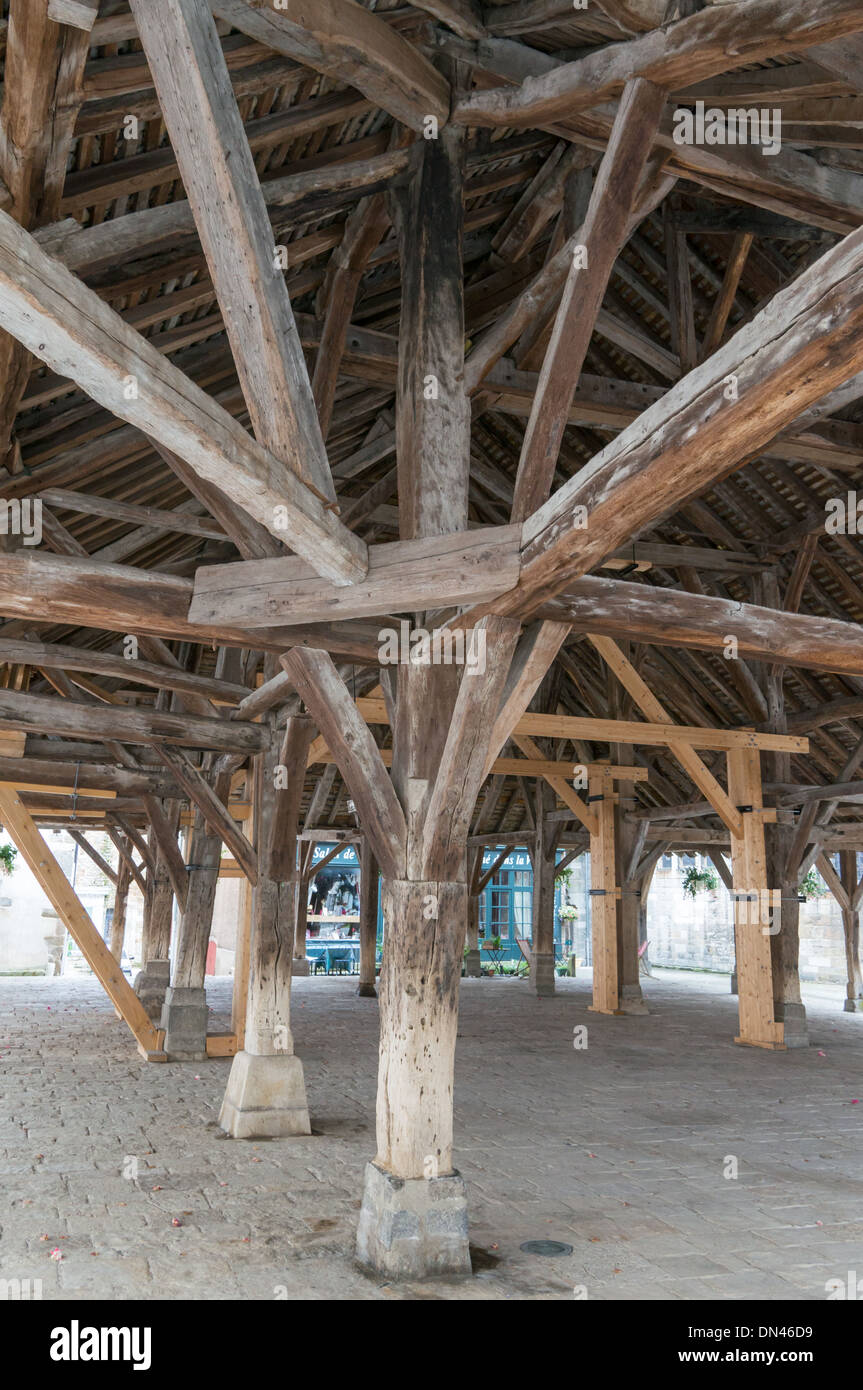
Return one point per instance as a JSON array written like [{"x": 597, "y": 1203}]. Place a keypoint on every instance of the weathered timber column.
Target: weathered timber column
[
  {"x": 542, "y": 856},
  {"x": 184, "y": 1015},
  {"x": 473, "y": 958},
  {"x": 629, "y": 838},
  {"x": 851, "y": 930},
  {"x": 789, "y": 1008},
  {"x": 368, "y": 921},
  {"x": 118, "y": 921},
  {"x": 753, "y": 906},
  {"x": 154, "y": 977},
  {"x": 266, "y": 1093},
  {"x": 305, "y": 851},
  {"x": 413, "y": 1220}
]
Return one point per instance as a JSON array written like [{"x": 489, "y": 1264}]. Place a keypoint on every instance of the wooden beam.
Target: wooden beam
[
  {"x": 351, "y": 44},
  {"x": 436, "y": 571},
  {"x": 374, "y": 711},
  {"x": 674, "y": 618},
  {"x": 602, "y": 235},
  {"x": 66, "y": 904},
  {"x": 185, "y": 56},
  {"x": 166, "y": 839},
  {"x": 42, "y": 714},
  {"x": 217, "y": 816},
  {"x": 536, "y": 650},
  {"x": 120, "y": 598},
  {"x": 80, "y": 14},
  {"x": 83, "y": 843},
  {"x": 692, "y": 50},
  {"x": 70, "y": 328},
  {"x": 684, "y": 753},
  {"x": 711, "y": 422},
  {"x": 358, "y": 757}
]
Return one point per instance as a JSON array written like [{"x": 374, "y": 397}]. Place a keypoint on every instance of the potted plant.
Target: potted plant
[
  {"x": 697, "y": 880},
  {"x": 491, "y": 943}
]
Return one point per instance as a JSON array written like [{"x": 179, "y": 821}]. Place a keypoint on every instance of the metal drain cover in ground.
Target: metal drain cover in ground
[{"x": 545, "y": 1247}]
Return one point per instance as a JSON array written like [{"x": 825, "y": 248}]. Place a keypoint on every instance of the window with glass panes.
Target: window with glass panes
[{"x": 505, "y": 908}]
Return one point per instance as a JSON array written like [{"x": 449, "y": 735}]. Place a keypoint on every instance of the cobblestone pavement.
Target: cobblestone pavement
[{"x": 619, "y": 1149}]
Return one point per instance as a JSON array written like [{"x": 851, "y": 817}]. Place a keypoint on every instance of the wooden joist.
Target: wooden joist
[{"x": 76, "y": 334}]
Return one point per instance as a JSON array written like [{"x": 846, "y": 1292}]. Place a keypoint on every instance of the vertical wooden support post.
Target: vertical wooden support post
[
  {"x": 604, "y": 892},
  {"x": 53, "y": 882},
  {"x": 473, "y": 958},
  {"x": 118, "y": 920},
  {"x": 266, "y": 1095},
  {"x": 184, "y": 1016},
  {"x": 755, "y": 913},
  {"x": 369, "y": 888},
  {"x": 851, "y": 930},
  {"x": 152, "y": 982},
  {"x": 542, "y": 953},
  {"x": 240, "y": 993}
]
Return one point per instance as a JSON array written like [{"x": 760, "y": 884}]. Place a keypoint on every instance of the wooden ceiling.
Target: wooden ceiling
[{"x": 89, "y": 168}]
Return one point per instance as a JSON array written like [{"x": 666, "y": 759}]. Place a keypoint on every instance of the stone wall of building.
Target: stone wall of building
[{"x": 698, "y": 933}]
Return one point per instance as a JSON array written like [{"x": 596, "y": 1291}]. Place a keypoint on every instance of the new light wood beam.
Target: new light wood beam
[
  {"x": 602, "y": 235},
  {"x": 200, "y": 110},
  {"x": 684, "y": 753},
  {"x": 66, "y": 904}
]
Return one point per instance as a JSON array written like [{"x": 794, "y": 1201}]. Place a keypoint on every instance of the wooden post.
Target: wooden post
[
  {"x": 25, "y": 835},
  {"x": 184, "y": 1016},
  {"x": 118, "y": 920},
  {"x": 473, "y": 959},
  {"x": 240, "y": 993},
  {"x": 604, "y": 892},
  {"x": 369, "y": 889},
  {"x": 266, "y": 1094},
  {"x": 153, "y": 980},
  {"x": 542, "y": 855},
  {"x": 754, "y": 907},
  {"x": 851, "y": 930}
]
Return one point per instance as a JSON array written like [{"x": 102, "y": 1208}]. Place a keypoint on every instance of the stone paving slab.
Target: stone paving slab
[{"x": 619, "y": 1150}]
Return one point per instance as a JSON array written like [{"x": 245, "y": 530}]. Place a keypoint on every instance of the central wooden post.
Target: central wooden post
[{"x": 756, "y": 910}]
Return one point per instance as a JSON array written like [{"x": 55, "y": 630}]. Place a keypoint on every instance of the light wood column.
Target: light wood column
[
  {"x": 754, "y": 907},
  {"x": 604, "y": 892}
]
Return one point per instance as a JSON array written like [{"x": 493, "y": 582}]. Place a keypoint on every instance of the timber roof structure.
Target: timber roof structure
[{"x": 711, "y": 409}]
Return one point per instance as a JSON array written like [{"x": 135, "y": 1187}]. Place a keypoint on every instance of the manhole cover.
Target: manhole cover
[{"x": 545, "y": 1247}]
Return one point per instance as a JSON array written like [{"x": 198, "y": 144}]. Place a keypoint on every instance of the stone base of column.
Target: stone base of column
[
  {"x": 734, "y": 982},
  {"x": 151, "y": 986},
  {"x": 793, "y": 1016},
  {"x": 473, "y": 964},
  {"x": 300, "y": 966},
  {"x": 413, "y": 1228},
  {"x": 632, "y": 1000},
  {"x": 366, "y": 990},
  {"x": 184, "y": 1019},
  {"x": 542, "y": 972},
  {"x": 265, "y": 1098},
  {"x": 850, "y": 1006}
]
